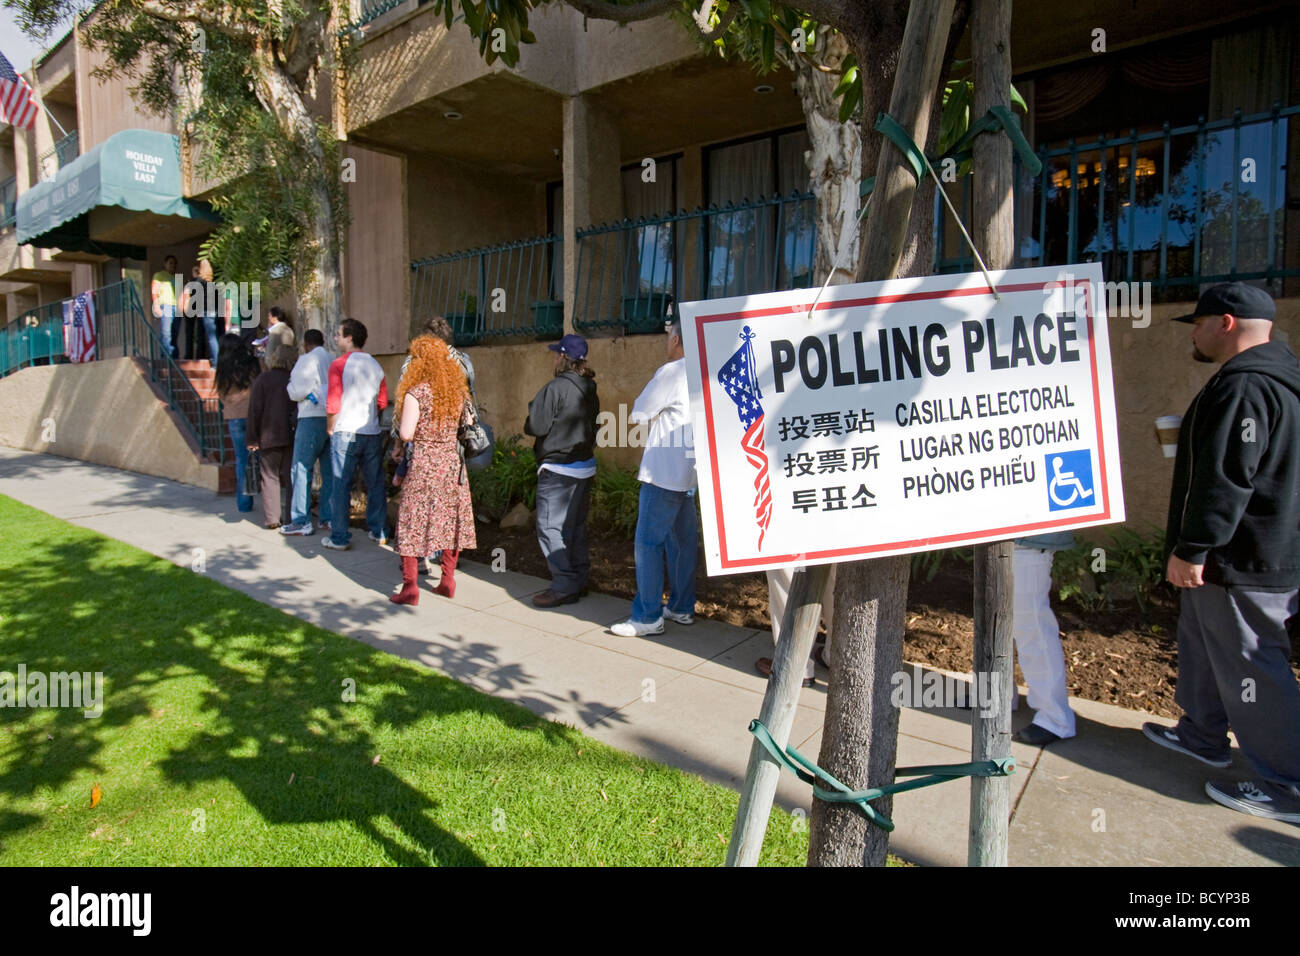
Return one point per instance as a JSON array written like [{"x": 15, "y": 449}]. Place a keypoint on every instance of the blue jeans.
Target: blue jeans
[
  {"x": 667, "y": 530},
  {"x": 310, "y": 445},
  {"x": 210, "y": 331},
  {"x": 348, "y": 451},
  {"x": 238, "y": 438},
  {"x": 166, "y": 316}
]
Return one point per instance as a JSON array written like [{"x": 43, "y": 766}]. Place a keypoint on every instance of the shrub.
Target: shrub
[
  {"x": 510, "y": 479},
  {"x": 1134, "y": 568},
  {"x": 615, "y": 500}
]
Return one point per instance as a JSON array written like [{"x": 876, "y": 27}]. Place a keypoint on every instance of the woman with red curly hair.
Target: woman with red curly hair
[{"x": 436, "y": 513}]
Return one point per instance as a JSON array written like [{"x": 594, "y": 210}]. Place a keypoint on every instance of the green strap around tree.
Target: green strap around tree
[
  {"x": 792, "y": 760},
  {"x": 999, "y": 119}
]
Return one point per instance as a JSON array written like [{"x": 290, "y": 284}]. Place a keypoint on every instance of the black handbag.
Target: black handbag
[
  {"x": 253, "y": 474},
  {"x": 476, "y": 442}
]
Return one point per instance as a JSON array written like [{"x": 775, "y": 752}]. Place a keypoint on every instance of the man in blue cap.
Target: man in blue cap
[
  {"x": 562, "y": 419},
  {"x": 1233, "y": 546}
]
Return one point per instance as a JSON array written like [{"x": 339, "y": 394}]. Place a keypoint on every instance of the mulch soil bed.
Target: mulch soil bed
[{"x": 1126, "y": 656}]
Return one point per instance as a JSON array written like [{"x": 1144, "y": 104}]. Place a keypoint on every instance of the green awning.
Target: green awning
[{"x": 136, "y": 169}]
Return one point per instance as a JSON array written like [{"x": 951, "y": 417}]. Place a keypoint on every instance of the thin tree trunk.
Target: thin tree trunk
[
  {"x": 860, "y": 734},
  {"x": 320, "y": 299}
]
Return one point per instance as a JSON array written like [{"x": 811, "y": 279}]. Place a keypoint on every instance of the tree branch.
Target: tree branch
[
  {"x": 701, "y": 20},
  {"x": 193, "y": 14},
  {"x": 630, "y": 13}
]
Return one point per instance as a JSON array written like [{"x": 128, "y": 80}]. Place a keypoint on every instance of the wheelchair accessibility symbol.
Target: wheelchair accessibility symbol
[{"x": 1069, "y": 480}]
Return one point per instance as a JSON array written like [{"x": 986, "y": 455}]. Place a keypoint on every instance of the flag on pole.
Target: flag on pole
[
  {"x": 17, "y": 107},
  {"x": 79, "y": 328},
  {"x": 740, "y": 382}
]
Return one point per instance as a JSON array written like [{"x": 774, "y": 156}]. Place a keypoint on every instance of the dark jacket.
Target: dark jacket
[
  {"x": 272, "y": 414},
  {"x": 1235, "y": 502},
  {"x": 562, "y": 417}
]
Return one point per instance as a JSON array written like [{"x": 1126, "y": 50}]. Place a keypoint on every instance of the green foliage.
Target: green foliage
[
  {"x": 615, "y": 500},
  {"x": 209, "y": 65},
  {"x": 1134, "y": 568},
  {"x": 927, "y": 564},
  {"x": 510, "y": 479}
]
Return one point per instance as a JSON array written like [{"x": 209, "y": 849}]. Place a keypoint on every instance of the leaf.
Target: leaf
[{"x": 95, "y": 794}]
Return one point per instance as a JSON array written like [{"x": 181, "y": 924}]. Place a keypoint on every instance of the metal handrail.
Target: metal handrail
[
  {"x": 8, "y": 201},
  {"x": 1119, "y": 239},
  {"x": 121, "y": 323},
  {"x": 630, "y": 272},
  {"x": 63, "y": 151},
  {"x": 507, "y": 289}
]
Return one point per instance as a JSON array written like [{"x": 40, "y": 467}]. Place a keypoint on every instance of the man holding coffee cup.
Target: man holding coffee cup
[{"x": 1233, "y": 546}]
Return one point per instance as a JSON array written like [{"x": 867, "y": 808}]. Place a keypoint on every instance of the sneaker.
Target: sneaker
[
  {"x": 329, "y": 543},
  {"x": 1266, "y": 800},
  {"x": 1168, "y": 737},
  {"x": 379, "y": 539},
  {"x": 630, "y": 628},
  {"x": 303, "y": 529},
  {"x": 678, "y": 618}
]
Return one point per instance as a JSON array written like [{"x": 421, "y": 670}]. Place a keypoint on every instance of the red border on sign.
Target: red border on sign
[{"x": 1009, "y": 531}]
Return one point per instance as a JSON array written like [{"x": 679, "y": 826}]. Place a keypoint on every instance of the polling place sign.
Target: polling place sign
[{"x": 901, "y": 416}]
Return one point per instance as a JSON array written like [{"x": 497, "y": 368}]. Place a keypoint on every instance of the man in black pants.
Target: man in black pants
[{"x": 1233, "y": 546}]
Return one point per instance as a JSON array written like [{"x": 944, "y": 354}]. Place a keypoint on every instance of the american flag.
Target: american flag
[
  {"x": 79, "y": 328},
  {"x": 16, "y": 104},
  {"x": 740, "y": 382}
]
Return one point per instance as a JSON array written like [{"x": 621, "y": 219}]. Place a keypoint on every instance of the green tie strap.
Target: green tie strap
[{"x": 809, "y": 772}]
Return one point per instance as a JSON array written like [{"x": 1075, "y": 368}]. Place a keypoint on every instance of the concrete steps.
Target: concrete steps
[{"x": 204, "y": 379}]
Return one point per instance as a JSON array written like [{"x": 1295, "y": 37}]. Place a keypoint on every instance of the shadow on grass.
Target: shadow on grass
[{"x": 272, "y": 696}]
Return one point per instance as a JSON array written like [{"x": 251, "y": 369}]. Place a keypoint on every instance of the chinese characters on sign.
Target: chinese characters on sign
[{"x": 900, "y": 416}]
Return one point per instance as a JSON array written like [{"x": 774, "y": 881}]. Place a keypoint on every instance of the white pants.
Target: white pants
[
  {"x": 1038, "y": 642},
  {"x": 778, "y": 592}
]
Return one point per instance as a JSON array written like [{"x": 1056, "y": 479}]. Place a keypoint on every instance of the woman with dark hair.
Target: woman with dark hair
[
  {"x": 237, "y": 367},
  {"x": 436, "y": 512},
  {"x": 562, "y": 417}
]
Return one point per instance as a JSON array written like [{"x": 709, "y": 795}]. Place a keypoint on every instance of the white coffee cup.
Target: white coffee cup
[{"x": 1167, "y": 427}]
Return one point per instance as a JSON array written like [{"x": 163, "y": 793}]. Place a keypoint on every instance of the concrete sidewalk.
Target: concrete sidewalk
[{"x": 1107, "y": 797}]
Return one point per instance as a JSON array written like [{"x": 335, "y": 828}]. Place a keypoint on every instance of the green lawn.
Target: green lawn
[{"x": 225, "y": 739}]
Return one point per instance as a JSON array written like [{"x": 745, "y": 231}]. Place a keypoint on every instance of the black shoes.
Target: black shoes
[{"x": 1035, "y": 736}]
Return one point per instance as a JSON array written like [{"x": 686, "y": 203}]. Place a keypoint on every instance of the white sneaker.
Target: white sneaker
[
  {"x": 630, "y": 628},
  {"x": 678, "y": 618}
]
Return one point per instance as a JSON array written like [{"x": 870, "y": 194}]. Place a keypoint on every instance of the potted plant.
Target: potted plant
[
  {"x": 645, "y": 312},
  {"x": 548, "y": 319},
  {"x": 464, "y": 322}
]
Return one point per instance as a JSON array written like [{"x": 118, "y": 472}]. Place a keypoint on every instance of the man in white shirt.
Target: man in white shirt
[
  {"x": 667, "y": 526},
  {"x": 309, "y": 387},
  {"x": 357, "y": 394}
]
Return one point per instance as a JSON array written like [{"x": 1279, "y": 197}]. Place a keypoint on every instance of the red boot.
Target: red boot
[
  {"x": 447, "y": 586},
  {"x": 410, "y": 593}
]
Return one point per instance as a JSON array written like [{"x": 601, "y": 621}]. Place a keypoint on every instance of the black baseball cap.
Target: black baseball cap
[{"x": 1233, "y": 298}]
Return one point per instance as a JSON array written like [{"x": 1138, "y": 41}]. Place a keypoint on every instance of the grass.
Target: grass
[{"x": 226, "y": 739}]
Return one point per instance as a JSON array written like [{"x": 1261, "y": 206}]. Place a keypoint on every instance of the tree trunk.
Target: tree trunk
[
  {"x": 834, "y": 162},
  {"x": 860, "y": 734},
  {"x": 320, "y": 297}
]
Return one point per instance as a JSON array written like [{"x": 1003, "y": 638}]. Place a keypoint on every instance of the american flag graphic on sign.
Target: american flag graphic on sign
[
  {"x": 740, "y": 382},
  {"x": 79, "y": 328},
  {"x": 17, "y": 108}
]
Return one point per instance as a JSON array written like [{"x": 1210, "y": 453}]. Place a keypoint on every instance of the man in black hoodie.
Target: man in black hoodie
[
  {"x": 1233, "y": 546},
  {"x": 562, "y": 417}
]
